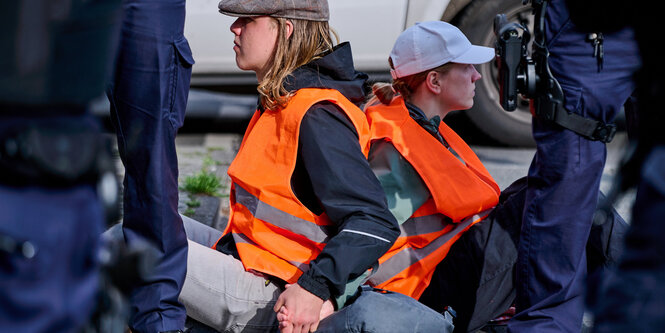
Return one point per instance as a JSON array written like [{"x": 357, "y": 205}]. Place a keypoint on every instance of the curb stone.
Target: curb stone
[{"x": 192, "y": 151}]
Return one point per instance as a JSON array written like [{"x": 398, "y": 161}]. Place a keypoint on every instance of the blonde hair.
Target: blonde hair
[
  {"x": 310, "y": 40},
  {"x": 405, "y": 86}
]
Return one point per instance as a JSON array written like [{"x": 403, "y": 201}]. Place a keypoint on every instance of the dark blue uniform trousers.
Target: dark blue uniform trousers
[
  {"x": 564, "y": 177},
  {"x": 148, "y": 97},
  {"x": 56, "y": 289}
]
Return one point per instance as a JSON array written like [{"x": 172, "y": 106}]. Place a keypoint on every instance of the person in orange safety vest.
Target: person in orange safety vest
[{"x": 307, "y": 212}]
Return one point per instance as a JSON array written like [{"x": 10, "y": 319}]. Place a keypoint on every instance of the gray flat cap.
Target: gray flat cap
[{"x": 312, "y": 10}]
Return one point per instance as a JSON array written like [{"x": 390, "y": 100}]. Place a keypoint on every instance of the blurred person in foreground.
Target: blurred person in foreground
[
  {"x": 55, "y": 58},
  {"x": 307, "y": 214}
]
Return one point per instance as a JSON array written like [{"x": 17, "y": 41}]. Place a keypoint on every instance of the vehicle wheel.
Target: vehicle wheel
[{"x": 476, "y": 21}]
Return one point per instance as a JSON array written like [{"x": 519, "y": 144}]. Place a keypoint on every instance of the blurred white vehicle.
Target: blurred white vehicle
[{"x": 372, "y": 27}]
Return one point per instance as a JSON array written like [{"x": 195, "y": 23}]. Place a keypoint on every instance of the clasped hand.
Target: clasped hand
[{"x": 299, "y": 311}]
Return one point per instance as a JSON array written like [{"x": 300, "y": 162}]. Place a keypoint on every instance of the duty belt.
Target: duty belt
[
  {"x": 53, "y": 155},
  {"x": 589, "y": 128}
]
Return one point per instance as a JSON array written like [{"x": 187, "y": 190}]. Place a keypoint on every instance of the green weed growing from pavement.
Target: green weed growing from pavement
[
  {"x": 193, "y": 203},
  {"x": 204, "y": 182},
  {"x": 189, "y": 212}
]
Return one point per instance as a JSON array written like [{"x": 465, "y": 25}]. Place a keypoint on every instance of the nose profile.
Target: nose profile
[
  {"x": 235, "y": 26},
  {"x": 475, "y": 76}
]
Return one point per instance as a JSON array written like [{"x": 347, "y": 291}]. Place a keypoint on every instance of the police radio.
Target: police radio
[{"x": 530, "y": 76}]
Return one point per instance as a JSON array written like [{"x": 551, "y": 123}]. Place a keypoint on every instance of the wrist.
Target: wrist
[{"x": 317, "y": 288}]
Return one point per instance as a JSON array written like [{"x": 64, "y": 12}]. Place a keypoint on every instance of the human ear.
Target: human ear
[
  {"x": 289, "y": 29},
  {"x": 433, "y": 82}
]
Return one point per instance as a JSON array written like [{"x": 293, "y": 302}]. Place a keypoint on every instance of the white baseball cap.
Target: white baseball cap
[{"x": 428, "y": 45}]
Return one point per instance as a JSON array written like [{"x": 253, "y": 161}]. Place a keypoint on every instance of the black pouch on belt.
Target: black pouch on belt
[{"x": 53, "y": 155}]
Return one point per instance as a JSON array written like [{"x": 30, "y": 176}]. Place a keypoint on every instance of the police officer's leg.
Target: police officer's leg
[
  {"x": 551, "y": 267},
  {"x": 148, "y": 100},
  {"x": 565, "y": 175}
]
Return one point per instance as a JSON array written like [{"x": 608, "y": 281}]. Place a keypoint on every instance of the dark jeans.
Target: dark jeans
[
  {"x": 148, "y": 99},
  {"x": 477, "y": 277}
]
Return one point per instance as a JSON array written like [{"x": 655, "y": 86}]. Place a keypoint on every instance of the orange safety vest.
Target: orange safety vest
[
  {"x": 462, "y": 194},
  {"x": 274, "y": 232}
]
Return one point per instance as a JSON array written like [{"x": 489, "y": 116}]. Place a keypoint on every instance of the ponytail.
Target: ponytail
[{"x": 384, "y": 93}]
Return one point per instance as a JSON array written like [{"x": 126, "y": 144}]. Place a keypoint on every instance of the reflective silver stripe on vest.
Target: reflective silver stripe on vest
[
  {"x": 279, "y": 218},
  {"x": 242, "y": 238},
  {"x": 406, "y": 257}
]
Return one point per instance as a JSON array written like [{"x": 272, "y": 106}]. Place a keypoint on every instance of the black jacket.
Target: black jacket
[{"x": 334, "y": 177}]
